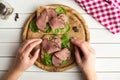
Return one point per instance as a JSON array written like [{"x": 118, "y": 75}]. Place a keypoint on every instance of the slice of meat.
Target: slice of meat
[
  {"x": 50, "y": 46},
  {"x": 63, "y": 17},
  {"x": 56, "y": 62},
  {"x": 51, "y": 13},
  {"x": 42, "y": 20},
  {"x": 57, "y": 40},
  {"x": 58, "y": 21},
  {"x": 64, "y": 54},
  {"x": 45, "y": 16}
]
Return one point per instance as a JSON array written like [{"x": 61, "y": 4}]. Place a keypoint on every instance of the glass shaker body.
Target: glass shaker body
[{"x": 5, "y": 9}]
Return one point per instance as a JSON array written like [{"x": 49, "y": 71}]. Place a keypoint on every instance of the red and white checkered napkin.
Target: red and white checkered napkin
[{"x": 107, "y": 12}]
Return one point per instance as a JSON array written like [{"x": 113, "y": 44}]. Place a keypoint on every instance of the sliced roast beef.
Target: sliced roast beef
[
  {"x": 51, "y": 13},
  {"x": 45, "y": 16},
  {"x": 56, "y": 61},
  {"x": 42, "y": 20},
  {"x": 64, "y": 54},
  {"x": 50, "y": 46},
  {"x": 58, "y": 40},
  {"x": 63, "y": 17},
  {"x": 58, "y": 21}
]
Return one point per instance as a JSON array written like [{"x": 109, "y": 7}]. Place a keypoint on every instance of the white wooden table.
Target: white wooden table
[{"x": 107, "y": 45}]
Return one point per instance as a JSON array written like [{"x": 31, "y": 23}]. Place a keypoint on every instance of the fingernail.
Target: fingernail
[
  {"x": 38, "y": 50},
  {"x": 40, "y": 40}
]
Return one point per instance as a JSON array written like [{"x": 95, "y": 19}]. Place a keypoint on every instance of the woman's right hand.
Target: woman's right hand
[
  {"x": 85, "y": 58},
  {"x": 23, "y": 61}
]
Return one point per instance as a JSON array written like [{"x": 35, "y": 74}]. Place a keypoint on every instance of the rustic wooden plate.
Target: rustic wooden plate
[{"x": 75, "y": 19}]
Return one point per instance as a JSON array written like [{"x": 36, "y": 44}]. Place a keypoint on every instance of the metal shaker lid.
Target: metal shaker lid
[{"x": 2, "y": 8}]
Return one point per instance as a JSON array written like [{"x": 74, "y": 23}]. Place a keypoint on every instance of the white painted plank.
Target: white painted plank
[
  {"x": 65, "y": 76},
  {"x": 49, "y": 76},
  {"x": 11, "y": 23},
  {"x": 107, "y": 50},
  {"x": 96, "y": 36},
  {"x": 32, "y": 5},
  {"x": 103, "y": 36},
  {"x": 8, "y": 49},
  {"x": 102, "y": 64},
  {"x": 102, "y": 50},
  {"x": 68, "y": 76},
  {"x": 10, "y": 35}
]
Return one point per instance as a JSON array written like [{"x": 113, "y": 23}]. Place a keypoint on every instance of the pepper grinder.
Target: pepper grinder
[{"x": 5, "y": 9}]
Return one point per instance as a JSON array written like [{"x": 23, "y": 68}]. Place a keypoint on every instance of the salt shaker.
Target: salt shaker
[{"x": 5, "y": 9}]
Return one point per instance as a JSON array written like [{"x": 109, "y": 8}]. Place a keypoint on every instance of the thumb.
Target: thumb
[{"x": 35, "y": 56}]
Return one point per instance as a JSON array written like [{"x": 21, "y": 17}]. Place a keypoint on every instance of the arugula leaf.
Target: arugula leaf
[
  {"x": 33, "y": 26},
  {"x": 48, "y": 59},
  {"x": 62, "y": 30},
  {"x": 67, "y": 28},
  {"x": 65, "y": 40},
  {"x": 56, "y": 31},
  {"x": 48, "y": 28},
  {"x": 60, "y": 10},
  {"x": 64, "y": 62}
]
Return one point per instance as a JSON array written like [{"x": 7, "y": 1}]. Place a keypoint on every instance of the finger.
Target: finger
[
  {"x": 76, "y": 42},
  {"x": 30, "y": 47},
  {"x": 82, "y": 45},
  {"x": 26, "y": 43},
  {"x": 90, "y": 47},
  {"x": 77, "y": 55},
  {"x": 35, "y": 56}
]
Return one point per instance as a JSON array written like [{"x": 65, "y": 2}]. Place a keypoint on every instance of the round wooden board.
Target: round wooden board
[{"x": 75, "y": 19}]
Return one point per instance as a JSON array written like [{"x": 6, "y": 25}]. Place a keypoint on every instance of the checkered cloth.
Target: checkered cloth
[{"x": 107, "y": 12}]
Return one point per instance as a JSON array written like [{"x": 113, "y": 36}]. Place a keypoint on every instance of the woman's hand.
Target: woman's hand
[
  {"x": 23, "y": 60},
  {"x": 85, "y": 58}
]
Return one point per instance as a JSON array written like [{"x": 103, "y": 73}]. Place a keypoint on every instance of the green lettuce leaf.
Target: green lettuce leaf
[
  {"x": 65, "y": 40},
  {"x": 56, "y": 31},
  {"x": 67, "y": 28},
  {"x": 64, "y": 62},
  {"x": 48, "y": 28},
  {"x": 48, "y": 59},
  {"x": 60, "y": 10},
  {"x": 33, "y": 26}
]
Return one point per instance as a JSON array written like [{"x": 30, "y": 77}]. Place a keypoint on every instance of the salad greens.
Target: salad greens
[
  {"x": 48, "y": 28},
  {"x": 60, "y": 10},
  {"x": 48, "y": 59},
  {"x": 61, "y": 30},
  {"x": 65, "y": 40},
  {"x": 33, "y": 26},
  {"x": 64, "y": 62}
]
